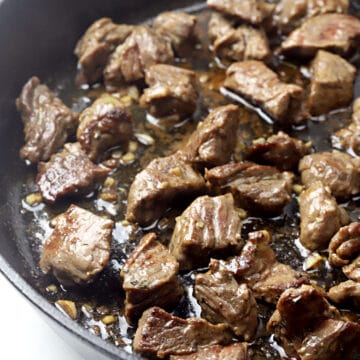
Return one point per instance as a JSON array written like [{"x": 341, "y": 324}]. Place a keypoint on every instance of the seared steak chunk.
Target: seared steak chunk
[
  {"x": 252, "y": 11},
  {"x": 256, "y": 82},
  {"x": 172, "y": 92},
  {"x": 308, "y": 326},
  {"x": 159, "y": 185},
  {"x": 344, "y": 250},
  {"x": 333, "y": 32},
  {"x": 223, "y": 300},
  {"x": 209, "y": 227},
  {"x": 161, "y": 334},
  {"x": 331, "y": 84},
  {"x": 243, "y": 43},
  {"x": 79, "y": 247},
  {"x": 47, "y": 121},
  {"x": 257, "y": 267},
  {"x": 289, "y": 14},
  {"x": 321, "y": 217},
  {"x": 349, "y": 137},
  {"x": 219, "y": 25},
  {"x": 96, "y": 45},
  {"x": 347, "y": 290},
  {"x": 67, "y": 172},
  {"x": 104, "y": 124},
  {"x": 280, "y": 150},
  {"x": 214, "y": 140},
  {"x": 337, "y": 170},
  {"x": 237, "y": 351},
  {"x": 143, "y": 48},
  {"x": 256, "y": 188},
  {"x": 178, "y": 27},
  {"x": 150, "y": 278}
]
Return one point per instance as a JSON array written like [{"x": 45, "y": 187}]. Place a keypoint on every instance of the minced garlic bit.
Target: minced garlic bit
[
  {"x": 108, "y": 196},
  {"x": 312, "y": 261},
  {"x": 109, "y": 182},
  {"x": 52, "y": 289},
  {"x": 128, "y": 157},
  {"x": 133, "y": 146},
  {"x": 297, "y": 188},
  {"x": 175, "y": 171},
  {"x": 145, "y": 139},
  {"x": 126, "y": 100},
  {"x": 33, "y": 199},
  {"x": 68, "y": 307},
  {"x": 109, "y": 319}
]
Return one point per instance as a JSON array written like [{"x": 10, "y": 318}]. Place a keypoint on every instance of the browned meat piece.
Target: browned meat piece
[
  {"x": 256, "y": 82},
  {"x": 237, "y": 351},
  {"x": 150, "y": 278},
  {"x": 280, "y": 150},
  {"x": 159, "y": 186},
  {"x": 347, "y": 290},
  {"x": 252, "y": 11},
  {"x": 332, "y": 339},
  {"x": 289, "y": 14},
  {"x": 172, "y": 92},
  {"x": 219, "y": 25},
  {"x": 256, "y": 188},
  {"x": 223, "y": 300},
  {"x": 104, "y": 124},
  {"x": 337, "y": 170},
  {"x": 344, "y": 250},
  {"x": 47, "y": 121},
  {"x": 79, "y": 247},
  {"x": 178, "y": 27},
  {"x": 298, "y": 313},
  {"x": 321, "y": 217},
  {"x": 209, "y": 227},
  {"x": 161, "y": 334},
  {"x": 349, "y": 138},
  {"x": 257, "y": 267},
  {"x": 331, "y": 84},
  {"x": 243, "y": 43},
  {"x": 67, "y": 172},
  {"x": 333, "y": 32},
  {"x": 96, "y": 45},
  {"x": 143, "y": 48},
  {"x": 214, "y": 140}
]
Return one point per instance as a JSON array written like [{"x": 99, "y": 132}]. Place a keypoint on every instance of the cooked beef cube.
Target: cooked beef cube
[
  {"x": 256, "y": 188},
  {"x": 321, "y": 217},
  {"x": 349, "y": 137},
  {"x": 337, "y": 170},
  {"x": 79, "y": 247},
  {"x": 159, "y": 186},
  {"x": 344, "y": 250},
  {"x": 178, "y": 27},
  {"x": 150, "y": 278},
  {"x": 243, "y": 43},
  {"x": 96, "y": 45},
  {"x": 298, "y": 313},
  {"x": 347, "y": 290},
  {"x": 223, "y": 300},
  {"x": 256, "y": 82},
  {"x": 161, "y": 334},
  {"x": 104, "y": 124},
  {"x": 280, "y": 150},
  {"x": 237, "y": 351},
  {"x": 289, "y": 14},
  {"x": 332, "y": 339},
  {"x": 214, "y": 140},
  {"x": 337, "y": 33},
  {"x": 331, "y": 84},
  {"x": 172, "y": 92},
  {"x": 257, "y": 267},
  {"x": 143, "y": 48},
  {"x": 47, "y": 121},
  {"x": 67, "y": 172},
  {"x": 252, "y": 11},
  {"x": 209, "y": 227},
  {"x": 219, "y": 25}
]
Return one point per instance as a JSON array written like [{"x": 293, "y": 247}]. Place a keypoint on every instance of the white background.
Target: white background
[{"x": 23, "y": 333}]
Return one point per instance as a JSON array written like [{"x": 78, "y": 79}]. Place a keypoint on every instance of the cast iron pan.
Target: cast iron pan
[{"x": 37, "y": 37}]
